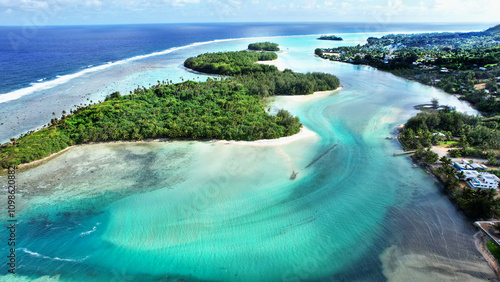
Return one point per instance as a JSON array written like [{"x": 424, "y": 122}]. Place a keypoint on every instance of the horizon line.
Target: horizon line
[{"x": 245, "y": 22}]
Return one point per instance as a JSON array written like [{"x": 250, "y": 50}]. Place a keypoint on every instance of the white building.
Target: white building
[
  {"x": 483, "y": 180},
  {"x": 468, "y": 175}
]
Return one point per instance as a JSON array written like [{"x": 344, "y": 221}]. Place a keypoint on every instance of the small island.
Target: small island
[
  {"x": 264, "y": 46},
  {"x": 230, "y": 108},
  {"x": 330, "y": 37}
]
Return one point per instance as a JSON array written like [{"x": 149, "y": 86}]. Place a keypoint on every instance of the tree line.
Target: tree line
[
  {"x": 259, "y": 79},
  {"x": 230, "y": 108},
  {"x": 264, "y": 46},
  {"x": 473, "y": 136}
]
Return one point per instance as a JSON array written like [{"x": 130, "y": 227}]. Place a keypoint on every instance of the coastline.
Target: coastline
[
  {"x": 277, "y": 63},
  {"x": 480, "y": 241},
  {"x": 199, "y": 72},
  {"x": 303, "y": 133}
]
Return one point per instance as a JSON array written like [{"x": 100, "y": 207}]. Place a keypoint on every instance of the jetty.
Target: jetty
[
  {"x": 404, "y": 153},
  {"x": 487, "y": 228}
]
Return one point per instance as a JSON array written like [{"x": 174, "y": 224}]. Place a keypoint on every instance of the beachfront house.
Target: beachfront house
[
  {"x": 484, "y": 180},
  {"x": 467, "y": 175}
]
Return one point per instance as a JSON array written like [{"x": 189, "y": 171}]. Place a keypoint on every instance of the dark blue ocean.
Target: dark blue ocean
[{"x": 61, "y": 50}]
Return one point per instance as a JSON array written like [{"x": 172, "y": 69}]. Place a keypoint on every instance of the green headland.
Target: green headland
[{"x": 229, "y": 108}]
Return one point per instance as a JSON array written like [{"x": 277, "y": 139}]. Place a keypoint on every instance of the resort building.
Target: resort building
[
  {"x": 476, "y": 179},
  {"x": 465, "y": 165},
  {"x": 475, "y": 166},
  {"x": 467, "y": 175},
  {"x": 462, "y": 166},
  {"x": 484, "y": 180}
]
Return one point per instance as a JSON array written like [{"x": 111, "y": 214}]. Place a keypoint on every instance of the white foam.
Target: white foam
[
  {"x": 72, "y": 260},
  {"x": 88, "y": 232},
  {"x": 61, "y": 79},
  {"x": 35, "y": 254}
]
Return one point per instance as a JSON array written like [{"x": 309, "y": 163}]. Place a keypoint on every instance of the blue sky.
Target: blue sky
[{"x": 71, "y": 12}]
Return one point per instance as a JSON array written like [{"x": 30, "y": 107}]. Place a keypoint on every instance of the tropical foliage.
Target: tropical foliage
[
  {"x": 473, "y": 136},
  {"x": 466, "y": 64},
  {"x": 259, "y": 79},
  {"x": 232, "y": 63},
  {"x": 229, "y": 108},
  {"x": 330, "y": 37},
  {"x": 210, "y": 110},
  {"x": 264, "y": 46}
]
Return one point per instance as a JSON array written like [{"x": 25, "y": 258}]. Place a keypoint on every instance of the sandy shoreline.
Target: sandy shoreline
[
  {"x": 199, "y": 72},
  {"x": 277, "y": 63},
  {"x": 480, "y": 241},
  {"x": 315, "y": 95},
  {"x": 41, "y": 161},
  {"x": 303, "y": 133}
]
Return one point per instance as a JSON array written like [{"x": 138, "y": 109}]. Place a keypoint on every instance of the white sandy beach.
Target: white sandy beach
[
  {"x": 303, "y": 133},
  {"x": 279, "y": 63},
  {"x": 315, "y": 95}
]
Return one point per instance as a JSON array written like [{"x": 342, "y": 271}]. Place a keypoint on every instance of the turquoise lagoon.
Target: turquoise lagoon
[{"x": 211, "y": 211}]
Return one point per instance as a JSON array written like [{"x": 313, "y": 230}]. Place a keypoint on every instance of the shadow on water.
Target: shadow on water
[{"x": 294, "y": 174}]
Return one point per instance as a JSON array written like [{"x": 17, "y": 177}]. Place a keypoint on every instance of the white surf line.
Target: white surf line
[
  {"x": 61, "y": 79},
  {"x": 44, "y": 85}
]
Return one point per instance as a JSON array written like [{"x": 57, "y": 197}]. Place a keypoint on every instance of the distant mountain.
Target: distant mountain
[{"x": 495, "y": 29}]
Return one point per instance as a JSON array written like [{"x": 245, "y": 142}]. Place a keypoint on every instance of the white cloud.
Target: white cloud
[
  {"x": 93, "y": 4},
  {"x": 180, "y": 3},
  {"x": 288, "y": 10},
  {"x": 40, "y": 4}
]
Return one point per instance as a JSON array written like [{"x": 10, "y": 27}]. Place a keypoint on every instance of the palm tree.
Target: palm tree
[
  {"x": 461, "y": 175},
  {"x": 445, "y": 160}
]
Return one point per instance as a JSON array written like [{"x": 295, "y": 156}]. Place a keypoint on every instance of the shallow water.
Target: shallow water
[{"x": 212, "y": 211}]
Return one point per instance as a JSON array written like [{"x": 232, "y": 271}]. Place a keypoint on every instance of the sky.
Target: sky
[{"x": 81, "y": 12}]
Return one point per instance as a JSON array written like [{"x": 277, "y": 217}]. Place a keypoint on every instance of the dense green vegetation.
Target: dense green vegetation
[
  {"x": 287, "y": 83},
  {"x": 264, "y": 46},
  {"x": 474, "y": 137},
  {"x": 230, "y": 108},
  {"x": 262, "y": 80},
  {"x": 493, "y": 30},
  {"x": 466, "y": 64},
  {"x": 494, "y": 249},
  {"x": 232, "y": 63},
  {"x": 210, "y": 110},
  {"x": 330, "y": 37}
]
